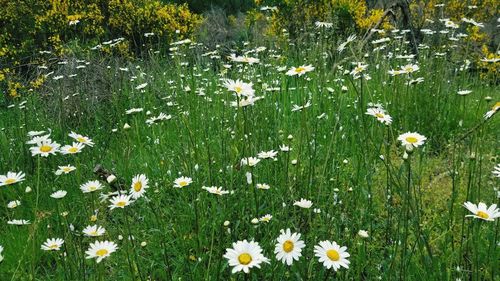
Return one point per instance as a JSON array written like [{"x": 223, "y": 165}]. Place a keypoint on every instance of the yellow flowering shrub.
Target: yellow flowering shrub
[
  {"x": 33, "y": 27},
  {"x": 292, "y": 15}
]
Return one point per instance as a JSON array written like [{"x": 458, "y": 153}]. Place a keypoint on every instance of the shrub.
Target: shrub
[{"x": 31, "y": 29}]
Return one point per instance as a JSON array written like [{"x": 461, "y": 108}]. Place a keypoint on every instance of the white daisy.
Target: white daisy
[
  {"x": 100, "y": 250},
  {"x": 64, "y": 170},
  {"x": 94, "y": 230},
  {"x": 289, "y": 247},
  {"x": 53, "y": 244},
  {"x": 182, "y": 182},
  {"x": 139, "y": 186},
  {"x": 411, "y": 140},
  {"x": 45, "y": 148},
  {"x": 481, "y": 211},
  {"x": 81, "y": 139},
  {"x": 215, "y": 190},
  {"x": 493, "y": 110},
  {"x": 267, "y": 154},
  {"x": 496, "y": 170},
  {"x": 1, "y": 252},
  {"x": 250, "y": 161},
  {"x": 120, "y": 201},
  {"x": 239, "y": 87},
  {"x": 59, "y": 194},
  {"x": 301, "y": 70},
  {"x": 332, "y": 255},
  {"x": 18, "y": 222},
  {"x": 11, "y": 178},
  {"x": 380, "y": 114},
  {"x": 245, "y": 255},
  {"x": 266, "y": 218},
  {"x": 13, "y": 204},
  {"x": 262, "y": 186},
  {"x": 76, "y": 147},
  {"x": 303, "y": 203},
  {"x": 91, "y": 186}
]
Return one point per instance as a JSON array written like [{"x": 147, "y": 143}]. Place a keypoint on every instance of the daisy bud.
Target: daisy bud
[
  {"x": 294, "y": 161},
  {"x": 120, "y": 237},
  {"x": 28, "y": 189},
  {"x": 226, "y": 223},
  {"x": 111, "y": 178},
  {"x": 363, "y": 233},
  {"x": 126, "y": 126},
  {"x": 405, "y": 156},
  {"x": 249, "y": 177},
  {"x": 143, "y": 244},
  {"x": 255, "y": 220}
]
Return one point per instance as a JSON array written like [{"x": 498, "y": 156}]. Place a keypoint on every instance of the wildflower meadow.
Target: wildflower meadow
[{"x": 334, "y": 145}]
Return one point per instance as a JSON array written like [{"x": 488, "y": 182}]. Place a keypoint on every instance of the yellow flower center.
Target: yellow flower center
[
  {"x": 496, "y": 106},
  {"x": 238, "y": 89},
  {"x": 45, "y": 148},
  {"x": 411, "y": 139},
  {"x": 92, "y": 188},
  {"x": 183, "y": 183},
  {"x": 121, "y": 204},
  {"x": 10, "y": 181},
  {"x": 333, "y": 255},
  {"x": 300, "y": 69},
  {"x": 80, "y": 139},
  {"x": 482, "y": 215},
  {"x": 53, "y": 246},
  {"x": 101, "y": 252},
  {"x": 67, "y": 169},
  {"x": 379, "y": 115},
  {"x": 137, "y": 186},
  {"x": 93, "y": 233},
  {"x": 73, "y": 150},
  {"x": 245, "y": 258},
  {"x": 288, "y": 246}
]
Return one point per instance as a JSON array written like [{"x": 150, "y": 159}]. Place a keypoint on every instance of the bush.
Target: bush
[{"x": 30, "y": 29}]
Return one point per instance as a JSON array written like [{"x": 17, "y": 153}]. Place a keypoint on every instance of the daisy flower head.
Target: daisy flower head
[
  {"x": 139, "y": 186},
  {"x": 299, "y": 71},
  {"x": 64, "y": 170},
  {"x": 267, "y": 154},
  {"x": 13, "y": 204},
  {"x": 76, "y": 147},
  {"x": 266, "y": 218},
  {"x": 358, "y": 69},
  {"x": 289, "y": 247},
  {"x": 81, "y": 139},
  {"x": 412, "y": 140},
  {"x": 320, "y": 24},
  {"x": 59, "y": 194},
  {"x": 11, "y": 178},
  {"x": 493, "y": 110},
  {"x": 239, "y": 87},
  {"x": 18, "y": 222},
  {"x": 215, "y": 190},
  {"x": 410, "y": 68},
  {"x": 182, "y": 182},
  {"x": 120, "y": 201},
  {"x": 53, "y": 244},
  {"x": 94, "y": 231},
  {"x": 262, "y": 186},
  {"x": 245, "y": 255},
  {"x": 1, "y": 252},
  {"x": 250, "y": 161},
  {"x": 303, "y": 203},
  {"x": 100, "y": 250},
  {"x": 91, "y": 186},
  {"x": 45, "y": 148},
  {"x": 481, "y": 211},
  {"x": 380, "y": 115},
  {"x": 332, "y": 255},
  {"x": 496, "y": 171},
  {"x": 38, "y": 139}
]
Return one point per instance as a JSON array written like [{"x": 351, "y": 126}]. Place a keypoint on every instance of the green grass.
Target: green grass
[{"x": 338, "y": 167}]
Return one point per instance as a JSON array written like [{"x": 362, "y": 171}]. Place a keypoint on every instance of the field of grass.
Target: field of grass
[{"x": 399, "y": 209}]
